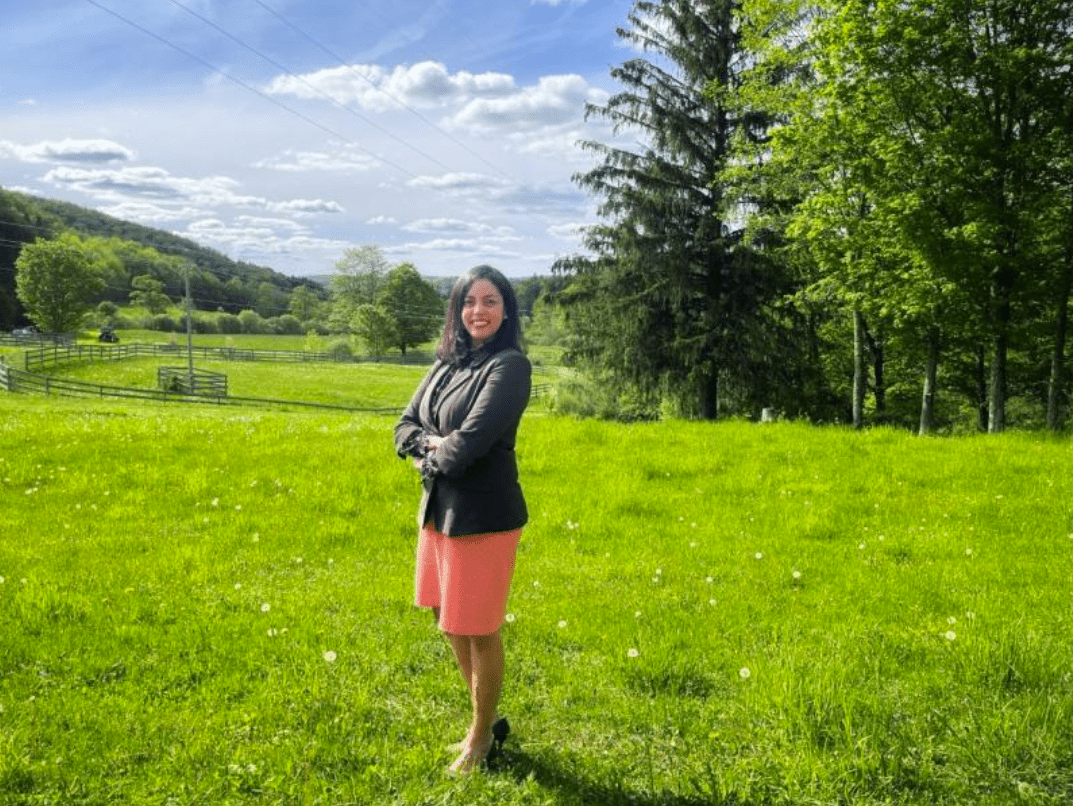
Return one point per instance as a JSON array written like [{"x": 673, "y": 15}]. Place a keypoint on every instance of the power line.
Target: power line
[
  {"x": 312, "y": 87},
  {"x": 339, "y": 59},
  {"x": 249, "y": 87}
]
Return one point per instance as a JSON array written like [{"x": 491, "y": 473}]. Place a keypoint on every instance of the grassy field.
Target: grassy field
[{"x": 213, "y": 607}]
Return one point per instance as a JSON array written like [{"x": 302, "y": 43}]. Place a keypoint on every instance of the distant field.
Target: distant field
[
  {"x": 358, "y": 385},
  {"x": 206, "y": 606}
]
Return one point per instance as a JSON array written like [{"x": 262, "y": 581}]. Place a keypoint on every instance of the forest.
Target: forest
[{"x": 848, "y": 210}]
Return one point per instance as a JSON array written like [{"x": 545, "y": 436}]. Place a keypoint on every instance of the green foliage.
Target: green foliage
[
  {"x": 670, "y": 301},
  {"x": 56, "y": 281},
  {"x": 713, "y": 614},
  {"x": 414, "y": 305},
  {"x": 148, "y": 292}
]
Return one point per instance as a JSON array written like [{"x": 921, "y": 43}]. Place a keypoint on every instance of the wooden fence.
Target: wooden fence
[
  {"x": 17, "y": 380},
  {"x": 30, "y": 379},
  {"x": 38, "y": 359}
]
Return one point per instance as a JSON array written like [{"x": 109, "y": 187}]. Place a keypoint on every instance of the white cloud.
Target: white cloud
[
  {"x": 458, "y": 183},
  {"x": 381, "y": 219},
  {"x": 78, "y": 151},
  {"x": 343, "y": 160},
  {"x": 554, "y": 101},
  {"x": 557, "y": 2},
  {"x": 163, "y": 187},
  {"x": 369, "y": 86},
  {"x": 454, "y": 225}
]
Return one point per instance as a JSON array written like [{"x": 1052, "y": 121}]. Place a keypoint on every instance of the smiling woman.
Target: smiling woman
[{"x": 460, "y": 431}]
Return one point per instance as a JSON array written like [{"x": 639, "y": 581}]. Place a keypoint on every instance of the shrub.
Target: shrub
[
  {"x": 287, "y": 325},
  {"x": 251, "y": 322},
  {"x": 229, "y": 323},
  {"x": 340, "y": 349},
  {"x": 162, "y": 322}
]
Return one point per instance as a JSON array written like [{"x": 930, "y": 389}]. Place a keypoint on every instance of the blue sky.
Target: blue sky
[{"x": 284, "y": 132}]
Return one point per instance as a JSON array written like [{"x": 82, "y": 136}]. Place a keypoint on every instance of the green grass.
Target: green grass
[
  {"x": 902, "y": 607},
  {"x": 359, "y": 385}
]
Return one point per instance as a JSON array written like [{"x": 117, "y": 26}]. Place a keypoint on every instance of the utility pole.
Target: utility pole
[{"x": 189, "y": 329}]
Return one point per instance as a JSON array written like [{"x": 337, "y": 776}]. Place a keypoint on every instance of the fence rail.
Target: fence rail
[
  {"x": 17, "y": 380},
  {"x": 23, "y": 339},
  {"x": 60, "y": 353}
]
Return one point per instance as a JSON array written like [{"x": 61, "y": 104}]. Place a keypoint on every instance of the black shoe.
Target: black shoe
[{"x": 500, "y": 732}]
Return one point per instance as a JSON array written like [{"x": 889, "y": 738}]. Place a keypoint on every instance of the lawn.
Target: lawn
[{"x": 203, "y": 606}]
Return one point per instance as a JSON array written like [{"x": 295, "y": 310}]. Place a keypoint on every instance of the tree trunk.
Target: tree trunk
[
  {"x": 981, "y": 389},
  {"x": 996, "y": 423},
  {"x": 1056, "y": 385},
  {"x": 927, "y": 406},
  {"x": 875, "y": 347},
  {"x": 860, "y": 369},
  {"x": 709, "y": 395}
]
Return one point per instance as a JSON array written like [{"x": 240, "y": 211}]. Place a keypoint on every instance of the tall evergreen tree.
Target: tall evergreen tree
[{"x": 666, "y": 300}]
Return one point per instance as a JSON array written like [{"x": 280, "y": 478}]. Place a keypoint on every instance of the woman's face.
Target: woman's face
[{"x": 482, "y": 311}]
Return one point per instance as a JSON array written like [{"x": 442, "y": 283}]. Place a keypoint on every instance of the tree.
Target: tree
[
  {"x": 148, "y": 292},
  {"x": 375, "y": 326},
  {"x": 667, "y": 301},
  {"x": 414, "y": 305},
  {"x": 304, "y": 304},
  {"x": 56, "y": 280},
  {"x": 358, "y": 279}
]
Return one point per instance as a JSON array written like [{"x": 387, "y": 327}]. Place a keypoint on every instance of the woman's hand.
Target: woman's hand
[{"x": 433, "y": 442}]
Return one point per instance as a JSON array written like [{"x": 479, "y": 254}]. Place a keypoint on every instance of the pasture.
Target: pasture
[{"x": 212, "y": 606}]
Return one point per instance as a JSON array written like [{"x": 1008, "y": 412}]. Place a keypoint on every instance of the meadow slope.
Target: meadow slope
[{"x": 202, "y": 606}]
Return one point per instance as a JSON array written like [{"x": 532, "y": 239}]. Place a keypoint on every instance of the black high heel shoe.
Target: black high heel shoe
[{"x": 500, "y": 732}]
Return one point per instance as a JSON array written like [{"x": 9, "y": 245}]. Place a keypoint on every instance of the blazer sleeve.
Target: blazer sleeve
[
  {"x": 409, "y": 427},
  {"x": 497, "y": 410}
]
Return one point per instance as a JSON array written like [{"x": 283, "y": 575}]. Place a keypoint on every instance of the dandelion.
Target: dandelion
[
  {"x": 272, "y": 632},
  {"x": 510, "y": 618},
  {"x": 562, "y": 623},
  {"x": 216, "y": 502},
  {"x": 796, "y": 575},
  {"x": 862, "y": 546},
  {"x": 759, "y": 555},
  {"x": 329, "y": 656},
  {"x": 744, "y": 673},
  {"x": 297, "y": 560},
  {"x": 968, "y": 552},
  {"x": 266, "y": 607},
  {"x": 952, "y": 621},
  {"x": 951, "y": 635},
  {"x": 709, "y": 580},
  {"x": 238, "y": 507},
  {"x": 256, "y": 537},
  {"x": 536, "y": 583},
  {"x": 636, "y": 613},
  {"x": 632, "y": 652},
  {"x": 659, "y": 571},
  {"x": 1, "y": 580},
  {"x": 711, "y": 602},
  {"x": 238, "y": 586}
]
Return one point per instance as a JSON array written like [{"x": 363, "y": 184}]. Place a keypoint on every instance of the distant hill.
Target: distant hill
[{"x": 216, "y": 282}]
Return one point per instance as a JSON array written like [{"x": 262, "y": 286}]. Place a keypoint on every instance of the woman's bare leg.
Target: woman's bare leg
[{"x": 487, "y": 661}]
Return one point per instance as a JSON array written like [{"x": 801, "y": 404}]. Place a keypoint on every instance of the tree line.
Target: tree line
[{"x": 856, "y": 210}]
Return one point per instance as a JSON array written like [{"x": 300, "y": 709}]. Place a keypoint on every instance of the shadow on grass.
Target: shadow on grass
[{"x": 572, "y": 787}]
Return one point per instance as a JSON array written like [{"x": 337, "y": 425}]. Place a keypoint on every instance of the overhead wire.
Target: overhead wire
[
  {"x": 249, "y": 87},
  {"x": 311, "y": 86},
  {"x": 344, "y": 63}
]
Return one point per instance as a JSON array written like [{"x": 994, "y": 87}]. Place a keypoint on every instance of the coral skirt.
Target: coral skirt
[{"x": 467, "y": 577}]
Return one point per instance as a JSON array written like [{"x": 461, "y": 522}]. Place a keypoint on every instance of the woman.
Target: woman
[{"x": 459, "y": 430}]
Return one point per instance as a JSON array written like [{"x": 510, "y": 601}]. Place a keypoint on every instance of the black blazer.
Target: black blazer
[{"x": 475, "y": 487}]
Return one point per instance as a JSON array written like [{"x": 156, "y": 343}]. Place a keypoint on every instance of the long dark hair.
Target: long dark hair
[{"x": 456, "y": 345}]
